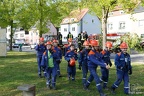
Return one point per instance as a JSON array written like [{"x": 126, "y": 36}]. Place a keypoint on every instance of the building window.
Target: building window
[
  {"x": 66, "y": 20},
  {"x": 142, "y": 35},
  {"x": 92, "y": 21},
  {"x": 72, "y": 19},
  {"x": 26, "y": 32},
  {"x": 73, "y": 28},
  {"x": 110, "y": 14},
  {"x": 36, "y": 33},
  {"x": 122, "y": 25},
  {"x": 21, "y": 35},
  {"x": 121, "y": 12},
  {"x": 65, "y": 29},
  {"x": 110, "y": 26},
  {"x": 65, "y": 37},
  {"x": 16, "y": 35},
  {"x": 141, "y": 22}
]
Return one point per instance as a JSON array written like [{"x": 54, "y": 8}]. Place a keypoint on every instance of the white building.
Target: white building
[
  {"x": 79, "y": 21},
  {"x": 52, "y": 32},
  {"x": 31, "y": 36},
  {"x": 120, "y": 22}
]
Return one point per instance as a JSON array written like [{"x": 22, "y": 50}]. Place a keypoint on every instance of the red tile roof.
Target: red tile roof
[{"x": 76, "y": 15}]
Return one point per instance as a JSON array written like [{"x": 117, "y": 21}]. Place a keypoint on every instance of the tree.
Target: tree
[
  {"x": 40, "y": 13},
  {"x": 133, "y": 41},
  {"x": 102, "y": 7},
  {"x": 8, "y": 12}
]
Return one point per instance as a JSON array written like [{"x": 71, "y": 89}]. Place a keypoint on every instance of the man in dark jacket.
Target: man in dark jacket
[
  {"x": 69, "y": 36},
  {"x": 60, "y": 38}
]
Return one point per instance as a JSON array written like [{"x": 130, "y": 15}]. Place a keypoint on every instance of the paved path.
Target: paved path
[{"x": 135, "y": 57}]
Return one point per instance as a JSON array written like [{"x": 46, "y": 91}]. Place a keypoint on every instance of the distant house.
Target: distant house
[
  {"x": 79, "y": 21},
  {"x": 120, "y": 22},
  {"x": 26, "y": 37},
  {"x": 31, "y": 36},
  {"x": 52, "y": 32}
]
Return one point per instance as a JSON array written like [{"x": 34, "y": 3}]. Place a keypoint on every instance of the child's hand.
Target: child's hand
[{"x": 107, "y": 67}]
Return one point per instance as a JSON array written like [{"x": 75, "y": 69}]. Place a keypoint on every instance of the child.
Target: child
[
  {"x": 40, "y": 48},
  {"x": 95, "y": 59},
  {"x": 48, "y": 61},
  {"x": 123, "y": 67},
  {"x": 67, "y": 48},
  {"x": 84, "y": 61},
  {"x": 59, "y": 58},
  {"x": 71, "y": 69},
  {"x": 106, "y": 58}
]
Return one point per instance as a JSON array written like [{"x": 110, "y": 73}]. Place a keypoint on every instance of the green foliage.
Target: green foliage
[
  {"x": 128, "y": 5},
  {"x": 132, "y": 39},
  {"x": 102, "y": 7},
  {"x": 39, "y": 13},
  {"x": 8, "y": 11}
]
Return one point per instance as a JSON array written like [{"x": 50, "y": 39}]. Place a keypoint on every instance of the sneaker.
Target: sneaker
[
  {"x": 73, "y": 79},
  {"x": 40, "y": 76},
  {"x": 113, "y": 90},
  {"x": 127, "y": 93},
  {"x": 85, "y": 87},
  {"x": 54, "y": 88},
  {"x": 60, "y": 76},
  {"x": 68, "y": 78},
  {"x": 105, "y": 88},
  {"x": 102, "y": 94},
  {"x": 49, "y": 87}
]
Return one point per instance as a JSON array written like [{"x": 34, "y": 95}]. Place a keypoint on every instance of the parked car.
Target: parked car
[
  {"x": 15, "y": 45},
  {"x": 32, "y": 46},
  {"x": 26, "y": 46}
]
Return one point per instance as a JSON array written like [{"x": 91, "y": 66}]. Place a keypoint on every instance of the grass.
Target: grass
[{"x": 19, "y": 68}]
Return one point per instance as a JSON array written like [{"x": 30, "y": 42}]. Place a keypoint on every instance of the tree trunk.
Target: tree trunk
[
  {"x": 11, "y": 35},
  {"x": 104, "y": 27},
  {"x": 41, "y": 19}
]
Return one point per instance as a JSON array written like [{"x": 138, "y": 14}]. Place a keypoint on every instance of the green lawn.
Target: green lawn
[{"x": 21, "y": 68}]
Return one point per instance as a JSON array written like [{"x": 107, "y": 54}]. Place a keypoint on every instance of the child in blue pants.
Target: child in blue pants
[
  {"x": 71, "y": 69},
  {"x": 123, "y": 67},
  {"x": 83, "y": 60},
  {"x": 106, "y": 58},
  {"x": 49, "y": 63},
  {"x": 94, "y": 59}
]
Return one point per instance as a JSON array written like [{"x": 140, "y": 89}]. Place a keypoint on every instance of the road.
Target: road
[
  {"x": 135, "y": 57},
  {"x": 24, "y": 49}
]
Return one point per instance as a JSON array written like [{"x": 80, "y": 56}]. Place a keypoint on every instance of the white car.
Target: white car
[{"x": 32, "y": 46}]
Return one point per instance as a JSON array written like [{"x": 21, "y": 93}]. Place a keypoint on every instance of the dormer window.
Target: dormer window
[
  {"x": 72, "y": 19},
  {"x": 121, "y": 12},
  {"x": 66, "y": 20}
]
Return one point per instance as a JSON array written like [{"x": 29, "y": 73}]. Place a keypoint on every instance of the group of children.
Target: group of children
[{"x": 89, "y": 58}]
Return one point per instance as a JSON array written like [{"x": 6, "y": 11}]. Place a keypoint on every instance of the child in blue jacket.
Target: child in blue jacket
[
  {"x": 71, "y": 69},
  {"x": 59, "y": 58},
  {"x": 49, "y": 63},
  {"x": 123, "y": 68},
  {"x": 106, "y": 58},
  {"x": 40, "y": 48},
  {"x": 94, "y": 59},
  {"x": 83, "y": 60}
]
